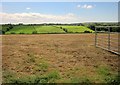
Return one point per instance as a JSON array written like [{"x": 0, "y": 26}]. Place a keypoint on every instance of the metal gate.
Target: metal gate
[{"x": 106, "y": 39}]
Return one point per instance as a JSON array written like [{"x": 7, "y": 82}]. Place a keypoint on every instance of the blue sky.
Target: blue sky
[{"x": 59, "y": 12}]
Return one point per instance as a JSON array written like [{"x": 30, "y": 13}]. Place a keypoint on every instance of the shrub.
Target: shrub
[
  {"x": 65, "y": 30},
  {"x": 21, "y": 33},
  {"x": 70, "y": 32},
  {"x": 76, "y": 32},
  {"x": 87, "y": 31},
  {"x": 60, "y": 27},
  {"x": 10, "y": 27},
  {"x": 12, "y": 33},
  {"x": 34, "y": 32},
  {"x": 3, "y": 32},
  {"x": 7, "y": 29}
]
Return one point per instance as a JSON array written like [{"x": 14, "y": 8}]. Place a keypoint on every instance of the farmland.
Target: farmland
[
  {"x": 48, "y": 29},
  {"x": 33, "y": 29},
  {"x": 76, "y": 29},
  {"x": 21, "y": 29},
  {"x": 59, "y": 58}
]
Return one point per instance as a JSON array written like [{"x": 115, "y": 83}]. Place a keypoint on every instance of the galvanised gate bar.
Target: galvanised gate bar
[{"x": 106, "y": 39}]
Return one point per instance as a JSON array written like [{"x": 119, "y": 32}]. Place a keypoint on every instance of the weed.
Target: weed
[
  {"x": 8, "y": 76},
  {"x": 103, "y": 70},
  {"x": 50, "y": 77},
  {"x": 31, "y": 58},
  {"x": 43, "y": 66},
  {"x": 105, "y": 74},
  {"x": 53, "y": 75},
  {"x": 80, "y": 80}
]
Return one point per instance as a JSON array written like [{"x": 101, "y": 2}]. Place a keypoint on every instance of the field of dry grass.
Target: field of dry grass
[{"x": 61, "y": 58}]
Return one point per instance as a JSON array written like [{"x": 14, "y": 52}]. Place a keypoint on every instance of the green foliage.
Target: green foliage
[
  {"x": 36, "y": 79},
  {"x": 31, "y": 58},
  {"x": 49, "y": 78},
  {"x": 34, "y": 32},
  {"x": 6, "y": 28},
  {"x": 21, "y": 33},
  {"x": 76, "y": 29},
  {"x": 115, "y": 80},
  {"x": 87, "y": 31},
  {"x": 114, "y": 29},
  {"x": 105, "y": 74},
  {"x": 42, "y": 66},
  {"x": 27, "y": 29},
  {"x": 65, "y": 30},
  {"x": 8, "y": 76},
  {"x": 103, "y": 70},
  {"x": 84, "y": 80},
  {"x": 3, "y": 32},
  {"x": 21, "y": 29},
  {"x": 53, "y": 75},
  {"x": 92, "y": 27},
  {"x": 48, "y": 29},
  {"x": 12, "y": 33}
]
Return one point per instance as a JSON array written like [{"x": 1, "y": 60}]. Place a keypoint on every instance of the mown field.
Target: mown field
[
  {"x": 56, "y": 58},
  {"x": 33, "y": 29},
  {"x": 76, "y": 29}
]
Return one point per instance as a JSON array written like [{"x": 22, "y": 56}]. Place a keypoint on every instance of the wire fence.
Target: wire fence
[{"x": 106, "y": 39}]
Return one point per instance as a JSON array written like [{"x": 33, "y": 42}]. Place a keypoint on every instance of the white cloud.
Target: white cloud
[
  {"x": 39, "y": 18},
  {"x": 78, "y": 6},
  {"x": 85, "y": 6},
  {"x": 28, "y": 8},
  {"x": 89, "y": 6}
]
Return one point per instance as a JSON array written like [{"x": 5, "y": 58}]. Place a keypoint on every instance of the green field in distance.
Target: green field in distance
[{"x": 33, "y": 29}]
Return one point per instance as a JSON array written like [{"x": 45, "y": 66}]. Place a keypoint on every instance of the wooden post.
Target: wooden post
[
  {"x": 108, "y": 38},
  {"x": 119, "y": 42},
  {"x": 95, "y": 37}
]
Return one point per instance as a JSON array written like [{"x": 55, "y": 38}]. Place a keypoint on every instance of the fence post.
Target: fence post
[
  {"x": 119, "y": 42},
  {"x": 95, "y": 37},
  {"x": 108, "y": 38}
]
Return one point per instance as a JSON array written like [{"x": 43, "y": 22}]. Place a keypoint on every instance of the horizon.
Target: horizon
[{"x": 54, "y": 23}]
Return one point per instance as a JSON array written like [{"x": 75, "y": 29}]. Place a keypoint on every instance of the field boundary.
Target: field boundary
[{"x": 108, "y": 39}]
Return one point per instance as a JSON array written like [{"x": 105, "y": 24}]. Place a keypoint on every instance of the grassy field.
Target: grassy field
[
  {"x": 76, "y": 29},
  {"x": 48, "y": 29},
  {"x": 59, "y": 58},
  {"x": 21, "y": 29},
  {"x": 27, "y": 29}
]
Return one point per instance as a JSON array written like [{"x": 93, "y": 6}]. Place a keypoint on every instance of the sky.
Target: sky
[{"x": 58, "y": 12}]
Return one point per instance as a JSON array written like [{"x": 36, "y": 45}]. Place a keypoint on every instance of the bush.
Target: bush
[
  {"x": 87, "y": 31},
  {"x": 7, "y": 29},
  {"x": 70, "y": 32},
  {"x": 60, "y": 27},
  {"x": 21, "y": 33},
  {"x": 77, "y": 32},
  {"x": 3, "y": 32},
  {"x": 34, "y": 32},
  {"x": 65, "y": 30},
  {"x": 12, "y": 33}
]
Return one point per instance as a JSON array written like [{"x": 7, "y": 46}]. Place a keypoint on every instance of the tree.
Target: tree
[{"x": 92, "y": 27}]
